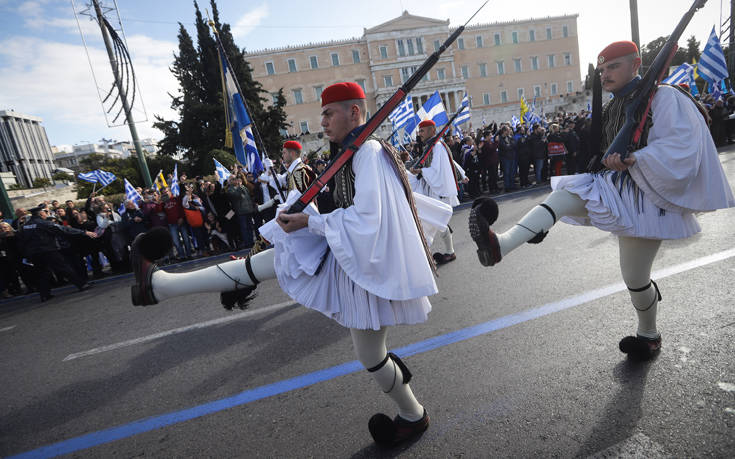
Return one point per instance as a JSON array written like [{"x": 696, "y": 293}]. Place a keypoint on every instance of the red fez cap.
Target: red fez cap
[
  {"x": 615, "y": 50},
  {"x": 292, "y": 145},
  {"x": 342, "y": 91},
  {"x": 425, "y": 123},
  {"x": 684, "y": 85}
]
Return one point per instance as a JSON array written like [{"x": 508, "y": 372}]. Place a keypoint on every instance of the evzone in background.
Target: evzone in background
[
  {"x": 649, "y": 196},
  {"x": 365, "y": 265}
]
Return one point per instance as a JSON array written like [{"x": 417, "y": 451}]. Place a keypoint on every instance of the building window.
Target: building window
[
  {"x": 460, "y": 43},
  {"x": 553, "y": 89},
  {"x": 515, "y": 37},
  {"x": 388, "y": 80},
  {"x": 274, "y": 97},
  {"x": 440, "y": 74},
  {"x": 534, "y": 62},
  {"x": 548, "y": 33},
  {"x": 520, "y": 93},
  {"x": 304, "y": 125},
  {"x": 517, "y": 65},
  {"x": 269, "y": 69},
  {"x": 567, "y": 59},
  {"x": 297, "y": 97},
  {"x": 531, "y": 35},
  {"x": 409, "y": 42},
  {"x": 537, "y": 91},
  {"x": 361, "y": 82},
  {"x": 570, "y": 87},
  {"x": 478, "y": 39},
  {"x": 335, "y": 59},
  {"x": 483, "y": 70},
  {"x": 552, "y": 61},
  {"x": 564, "y": 31},
  {"x": 292, "y": 65},
  {"x": 355, "y": 56},
  {"x": 437, "y": 45},
  {"x": 318, "y": 92},
  {"x": 401, "y": 48},
  {"x": 466, "y": 72},
  {"x": 501, "y": 67},
  {"x": 314, "y": 62},
  {"x": 503, "y": 96},
  {"x": 406, "y": 73},
  {"x": 420, "y": 45},
  {"x": 486, "y": 99},
  {"x": 384, "y": 52},
  {"x": 497, "y": 39},
  {"x": 283, "y": 132}
]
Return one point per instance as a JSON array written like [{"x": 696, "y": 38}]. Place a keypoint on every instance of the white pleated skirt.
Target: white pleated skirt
[{"x": 623, "y": 210}]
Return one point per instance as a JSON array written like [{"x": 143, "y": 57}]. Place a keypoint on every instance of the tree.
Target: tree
[
  {"x": 201, "y": 125},
  {"x": 589, "y": 78},
  {"x": 41, "y": 182},
  {"x": 692, "y": 50},
  {"x": 650, "y": 51}
]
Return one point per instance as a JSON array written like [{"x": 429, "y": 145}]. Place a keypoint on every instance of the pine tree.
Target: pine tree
[
  {"x": 692, "y": 49},
  {"x": 201, "y": 125}
]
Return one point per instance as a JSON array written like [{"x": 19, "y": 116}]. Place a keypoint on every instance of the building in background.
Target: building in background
[
  {"x": 24, "y": 148},
  {"x": 106, "y": 147},
  {"x": 494, "y": 63}
]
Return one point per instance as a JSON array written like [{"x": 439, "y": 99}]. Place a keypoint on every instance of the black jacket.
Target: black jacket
[
  {"x": 39, "y": 236},
  {"x": 538, "y": 146}
]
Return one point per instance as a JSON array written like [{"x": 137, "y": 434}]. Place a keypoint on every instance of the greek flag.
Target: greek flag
[
  {"x": 514, "y": 121},
  {"x": 131, "y": 194},
  {"x": 221, "y": 171},
  {"x": 394, "y": 138},
  {"x": 402, "y": 113},
  {"x": 175, "y": 181},
  {"x": 464, "y": 114},
  {"x": 682, "y": 74},
  {"x": 239, "y": 122},
  {"x": 407, "y": 139},
  {"x": 98, "y": 176},
  {"x": 411, "y": 127},
  {"x": 712, "y": 66},
  {"x": 433, "y": 109}
]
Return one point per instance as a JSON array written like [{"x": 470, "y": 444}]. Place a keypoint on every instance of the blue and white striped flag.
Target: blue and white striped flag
[
  {"x": 240, "y": 123},
  {"x": 394, "y": 138},
  {"x": 712, "y": 66},
  {"x": 682, "y": 74},
  {"x": 411, "y": 128},
  {"x": 464, "y": 114},
  {"x": 433, "y": 109},
  {"x": 514, "y": 121},
  {"x": 222, "y": 173},
  {"x": 407, "y": 139},
  {"x": 402, "y": 113},
  {"x": 98, "y": 176},
  {"x": 175, "y": 181},
  {"x": 131, "y": 194}
]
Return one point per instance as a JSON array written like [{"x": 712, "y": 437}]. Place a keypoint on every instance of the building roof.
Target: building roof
[
  {"x": 406, "y": 21},
  {"x": 14, "y": 114}
]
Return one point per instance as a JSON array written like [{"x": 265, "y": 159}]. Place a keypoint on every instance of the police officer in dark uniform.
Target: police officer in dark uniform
[{"x": 38, "y": 240}]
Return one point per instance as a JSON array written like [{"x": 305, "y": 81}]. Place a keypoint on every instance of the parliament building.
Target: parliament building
[{"x": 495, "y": 64}]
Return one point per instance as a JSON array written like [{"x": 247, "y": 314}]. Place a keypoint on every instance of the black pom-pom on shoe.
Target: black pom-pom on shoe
[
  {"x": 640, "y": 348},
  {"x": 484, "y": 212},
  {"x": 383, "y": 429},
  {"x": 240, "y": 298},
  {"x": 154, "y": 243}
]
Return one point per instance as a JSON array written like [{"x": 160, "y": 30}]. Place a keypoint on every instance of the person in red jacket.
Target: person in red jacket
[{"x": 176, "y": 224}]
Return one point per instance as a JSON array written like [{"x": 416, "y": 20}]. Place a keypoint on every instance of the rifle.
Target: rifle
[
  {"x": 628, "y": 138},
  {"x": 433, "y": 141},
  {"x": 341, "y": 158}
]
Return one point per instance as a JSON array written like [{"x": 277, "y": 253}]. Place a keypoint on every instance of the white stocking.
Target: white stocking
[
  {"x": 540, "y": 220},
  {"x": 636, "y": 260},
  {"x": 371, "y": 351},
  {"x": 224, "y": 277},
  {"x": 446, "y": 239}
]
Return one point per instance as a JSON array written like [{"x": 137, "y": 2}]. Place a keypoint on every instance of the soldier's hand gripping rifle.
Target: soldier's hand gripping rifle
[
  {"x": 341, "y": 158},
  {"x": 429, "y": 147},
  {"x": 628, "y": 138}
]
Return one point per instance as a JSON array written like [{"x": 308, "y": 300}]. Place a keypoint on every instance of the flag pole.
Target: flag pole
[{"x": 256, "y": 132}]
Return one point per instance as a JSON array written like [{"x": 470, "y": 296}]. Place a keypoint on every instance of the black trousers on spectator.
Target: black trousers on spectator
[
  {"x": 492, "y": 176},
  {"x": 47, "y": 261}
]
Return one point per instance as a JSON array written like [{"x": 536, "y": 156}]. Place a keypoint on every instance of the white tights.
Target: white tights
[{"x": 371, "y": 350}]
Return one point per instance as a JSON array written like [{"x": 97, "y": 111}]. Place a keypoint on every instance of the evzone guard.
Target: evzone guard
[
  {"x": 437, "y": 178},
  {"x": 298, "y": 175},
  {"x": 366, "y": 264},
  {"x": 649, "y": 196}
]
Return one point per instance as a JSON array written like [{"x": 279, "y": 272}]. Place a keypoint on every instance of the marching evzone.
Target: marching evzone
[
  {"x": 649, "y": 196},
  {"x": 436, "y": 178},
  {"x": 366, "y": 264},
  {"x": 298, "y": 176}
]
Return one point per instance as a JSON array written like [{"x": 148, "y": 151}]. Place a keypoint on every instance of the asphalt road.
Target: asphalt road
[{"x": 519, "y": 360}]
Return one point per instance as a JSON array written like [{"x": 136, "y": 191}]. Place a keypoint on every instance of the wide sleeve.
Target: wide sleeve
[{"x": 679, "y": 168}]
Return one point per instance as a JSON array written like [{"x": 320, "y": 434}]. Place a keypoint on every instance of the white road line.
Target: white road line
[
  {"x": 577, "y": 299},
  {"x": 175, "y": 331},
  {"x": 7, "y": 328}
]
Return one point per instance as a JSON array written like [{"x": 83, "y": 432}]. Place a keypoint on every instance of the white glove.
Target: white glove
[
  {"x": 265, "y": 205},
  {"x": 277, "y": 198},
  {"x": 267, "y": 163}
]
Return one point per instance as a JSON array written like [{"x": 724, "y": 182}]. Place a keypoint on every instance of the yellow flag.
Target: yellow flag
[
  {"x": 524, "y": 109},
  {"x": 694, "y": 64},
  {"x": 160, "y": 182}
]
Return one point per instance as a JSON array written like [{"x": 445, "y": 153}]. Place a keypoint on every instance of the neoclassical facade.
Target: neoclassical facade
[{"x": 495, "y": 64}]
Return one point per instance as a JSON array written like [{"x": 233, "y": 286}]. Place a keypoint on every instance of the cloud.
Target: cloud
[
  {"x": 250, "y": 21},
  {"x": 53, "y": 80}
]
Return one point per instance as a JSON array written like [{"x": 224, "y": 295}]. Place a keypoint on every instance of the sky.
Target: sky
[{"x": 44, "y": 70}]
